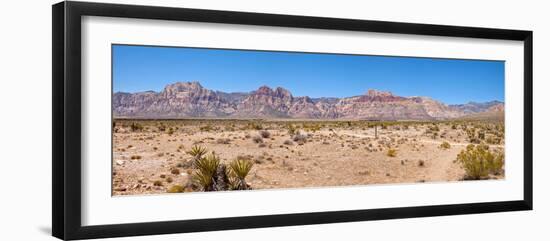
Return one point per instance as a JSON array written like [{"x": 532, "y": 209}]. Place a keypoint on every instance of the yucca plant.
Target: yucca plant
[
  {"x": 204, "y": 176},
  {"x": 239, "y": 170},
  {"x": 197, "y": 152}
]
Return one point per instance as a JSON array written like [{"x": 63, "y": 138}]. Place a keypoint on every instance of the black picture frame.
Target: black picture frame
[{"x": 66, "y": 127}]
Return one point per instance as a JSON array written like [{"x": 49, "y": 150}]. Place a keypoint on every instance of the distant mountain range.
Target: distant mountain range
[{"x": 191, "y": 100}]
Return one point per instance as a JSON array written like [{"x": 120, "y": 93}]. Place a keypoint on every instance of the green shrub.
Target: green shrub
[
  {"x": 479, "y": 162},
  {"x": 445, "y": 145}
]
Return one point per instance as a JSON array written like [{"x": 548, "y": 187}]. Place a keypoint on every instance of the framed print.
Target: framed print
[{"x": 169, "y": 120}]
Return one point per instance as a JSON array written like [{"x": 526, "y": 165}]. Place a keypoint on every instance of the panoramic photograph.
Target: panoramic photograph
[{"x": 201, "y": 120}]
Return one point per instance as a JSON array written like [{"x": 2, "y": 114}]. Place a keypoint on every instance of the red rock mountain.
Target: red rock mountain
[{"x": 190, "y": 99}]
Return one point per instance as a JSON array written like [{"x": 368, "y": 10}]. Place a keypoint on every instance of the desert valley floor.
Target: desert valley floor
[{"x": 149, "y": 156}]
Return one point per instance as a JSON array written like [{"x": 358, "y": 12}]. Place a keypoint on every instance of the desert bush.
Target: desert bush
[
  {"x": 264, "y": 134},
  {"x": 170, "y": 131},
  {"x": 300, "y": 138},
  {"x": 288, "y": 142},
  {"x": 421, "y": 163},
  {"x": 175, "y": 171},
  {"x": 257, "y": 139},
  {"x": 157, "y": 183},
  {"x": 479, "y": 162},
  {"x": 262, "y": 145},
  {"x": 135, "y": 157},
  {"x": 239, "y": 170},
  {"x": 445, "y": 145},
  {"x": 291, "y": 129},
  {"x": 136, "y": 126},
  {"x": 175, "y": 189},
  {"x": 169, "y": 180},
  {"x": 206, "y": 169},
  {"x": 391, "y": 152}
]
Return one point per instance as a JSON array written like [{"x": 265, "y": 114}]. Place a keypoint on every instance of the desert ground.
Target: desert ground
[{"x": 151, "y": 156}]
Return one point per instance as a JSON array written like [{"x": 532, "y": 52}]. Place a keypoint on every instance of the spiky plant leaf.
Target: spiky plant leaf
[
  {"x": 197, "y": 151},
  {"x": 241, "y": 168},
  {"x": 206, "y": 170}
]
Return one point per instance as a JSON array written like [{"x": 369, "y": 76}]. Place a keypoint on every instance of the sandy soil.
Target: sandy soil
[{"x": 333, "y": 155}]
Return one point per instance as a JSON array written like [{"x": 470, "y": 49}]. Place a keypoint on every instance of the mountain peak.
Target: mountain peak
[
  {"x": 181, "y": 86},
  {"x": 378, "y": 93}
]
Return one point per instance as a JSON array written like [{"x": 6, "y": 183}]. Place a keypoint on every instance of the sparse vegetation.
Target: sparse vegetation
[
  {"x": 391, "y": 153},
  {"x": 175, "y": 152}
]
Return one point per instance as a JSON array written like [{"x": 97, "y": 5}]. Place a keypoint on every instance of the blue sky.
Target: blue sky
[{"x": 142, "y": 68}]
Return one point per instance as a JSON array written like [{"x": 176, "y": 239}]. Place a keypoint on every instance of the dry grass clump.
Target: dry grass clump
[
  {"x": 445, "y": 145},
  {"x": 175, "y": 189},
  {"x": 479, "y": 162},
  {"x": 391, "y": 152}
]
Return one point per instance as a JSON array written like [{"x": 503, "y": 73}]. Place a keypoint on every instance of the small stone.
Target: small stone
[
  {"x": 120, "y": 189},
  {"x": 120, "y": 162}
]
